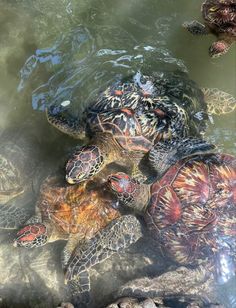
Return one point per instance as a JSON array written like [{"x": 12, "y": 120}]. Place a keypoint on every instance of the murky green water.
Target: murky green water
[{"x": 57, "y": 50}]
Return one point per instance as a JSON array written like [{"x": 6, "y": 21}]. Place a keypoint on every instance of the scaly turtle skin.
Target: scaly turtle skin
[
  {"x": 220, "y": 19},
  {"x": 128, "y": 118}
]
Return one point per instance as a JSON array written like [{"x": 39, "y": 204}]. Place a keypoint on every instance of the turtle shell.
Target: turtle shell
[
  {"x": 151, "y": 108},
  {"x": 19, "y": 156},
  {"x": 192, "y": 209},
  {"x": 78, "y": 209},
  {"x": 220, "y": 16}
]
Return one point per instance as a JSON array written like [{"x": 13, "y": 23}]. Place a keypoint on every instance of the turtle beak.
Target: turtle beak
[{"x": 70, "y": 180}]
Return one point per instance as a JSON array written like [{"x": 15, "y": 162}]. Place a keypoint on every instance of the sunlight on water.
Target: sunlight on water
[{"x": 63, "y": 51}]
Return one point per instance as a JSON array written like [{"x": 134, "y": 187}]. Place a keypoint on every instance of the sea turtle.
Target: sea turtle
[
  {"x": 190, "y": 215},
  {"x": 74, "y": 213},
  {"x": 129, "y": 117},
  {"x": 220, "y": 19},
  {"x": 20, "y": 172}
]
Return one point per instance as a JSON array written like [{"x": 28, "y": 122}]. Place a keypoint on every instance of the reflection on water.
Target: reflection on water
[{"x": 60, "y": 50}]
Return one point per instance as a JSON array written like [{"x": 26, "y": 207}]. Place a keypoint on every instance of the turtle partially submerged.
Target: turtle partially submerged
[
  {"x": 72, "y": 213},
  {"x": 190, "y": 211},
  {"x": 220, "y": 19},
  {"x": 129, "y": 117},
  {"x": 20, "y": 171}
]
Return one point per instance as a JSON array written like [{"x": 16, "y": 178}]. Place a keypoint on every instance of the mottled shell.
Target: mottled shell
[
  {"x": 149, "y": 109},
  {"x": 192, "y": 209},
  {"x": 19, "y": 154},
  {"x": 220, "y": 16},
  {"x": 76, "y": 209}
]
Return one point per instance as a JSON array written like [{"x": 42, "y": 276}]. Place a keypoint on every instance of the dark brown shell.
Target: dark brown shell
[
  {"x": 76, "y": 209},
  {"x": 192, "y": 209},
  {"x": 220, "y": 16},
  {"x": 137, "y": 115}
]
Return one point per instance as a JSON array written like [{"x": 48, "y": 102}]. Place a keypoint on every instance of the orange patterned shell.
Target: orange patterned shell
[
  {"x": 77, "y": 208},
  {"x": 192, "y": 209}
]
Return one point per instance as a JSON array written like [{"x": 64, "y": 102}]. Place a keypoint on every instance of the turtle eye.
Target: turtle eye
[
  {"x": 115, "y": 184},
  {"x": 213, "y": 9}
]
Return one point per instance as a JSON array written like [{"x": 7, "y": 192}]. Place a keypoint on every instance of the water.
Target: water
[{"x": 54, "y": 51}]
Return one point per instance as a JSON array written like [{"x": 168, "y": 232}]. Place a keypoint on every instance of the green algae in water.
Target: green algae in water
[{"x": 67, "y": 50}]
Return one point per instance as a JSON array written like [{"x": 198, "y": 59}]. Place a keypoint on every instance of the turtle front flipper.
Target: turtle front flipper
[
  {"x": 65, "y": 122},
  {"x": 219, "y": 102},
  {"x": 196, "y": 28},
  {"x": 12, "y": 217},
  {"x": 115, "y": 237},
  {"x": 166, "y": 153}
]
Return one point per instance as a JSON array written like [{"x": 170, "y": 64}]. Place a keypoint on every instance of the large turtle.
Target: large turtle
[
  {"x": 74, "y": 213},
  {"x": 129, "y": 117},
  {"x": 220, "y": 19},
  {"x": 191, "y": 212}
]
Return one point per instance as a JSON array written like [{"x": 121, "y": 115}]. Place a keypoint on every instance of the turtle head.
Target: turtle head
[
  {"x": 131, "y": 194},
  {"x": 219, "y": 48},
  {"x": 31, "y": 236},
  {"x": 84, "y": 163}
]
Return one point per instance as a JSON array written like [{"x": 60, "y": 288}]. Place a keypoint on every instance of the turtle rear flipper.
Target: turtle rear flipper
[
  {"x": 117, "y": 236},
  {"x": 219, "y": 102},
  {"x": 59, "y": 117},
  {"x": 166, "y": 153},
  {"x": 12, "y": 217},
  {"x": 196, "y": 28}
]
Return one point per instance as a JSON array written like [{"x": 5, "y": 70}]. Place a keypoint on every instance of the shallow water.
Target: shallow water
[{"x": 53, "y": 51}]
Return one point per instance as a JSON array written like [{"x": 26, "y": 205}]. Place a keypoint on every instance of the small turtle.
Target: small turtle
[
  {"x": 128, "y": 118},
  {"x": 190, "y": 215},
  {"x": 220, "y": 19},
  {"x": 20, "y": 171}
]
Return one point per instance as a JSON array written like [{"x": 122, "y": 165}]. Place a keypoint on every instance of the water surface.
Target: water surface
[{"x": 69, "y": 50}]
